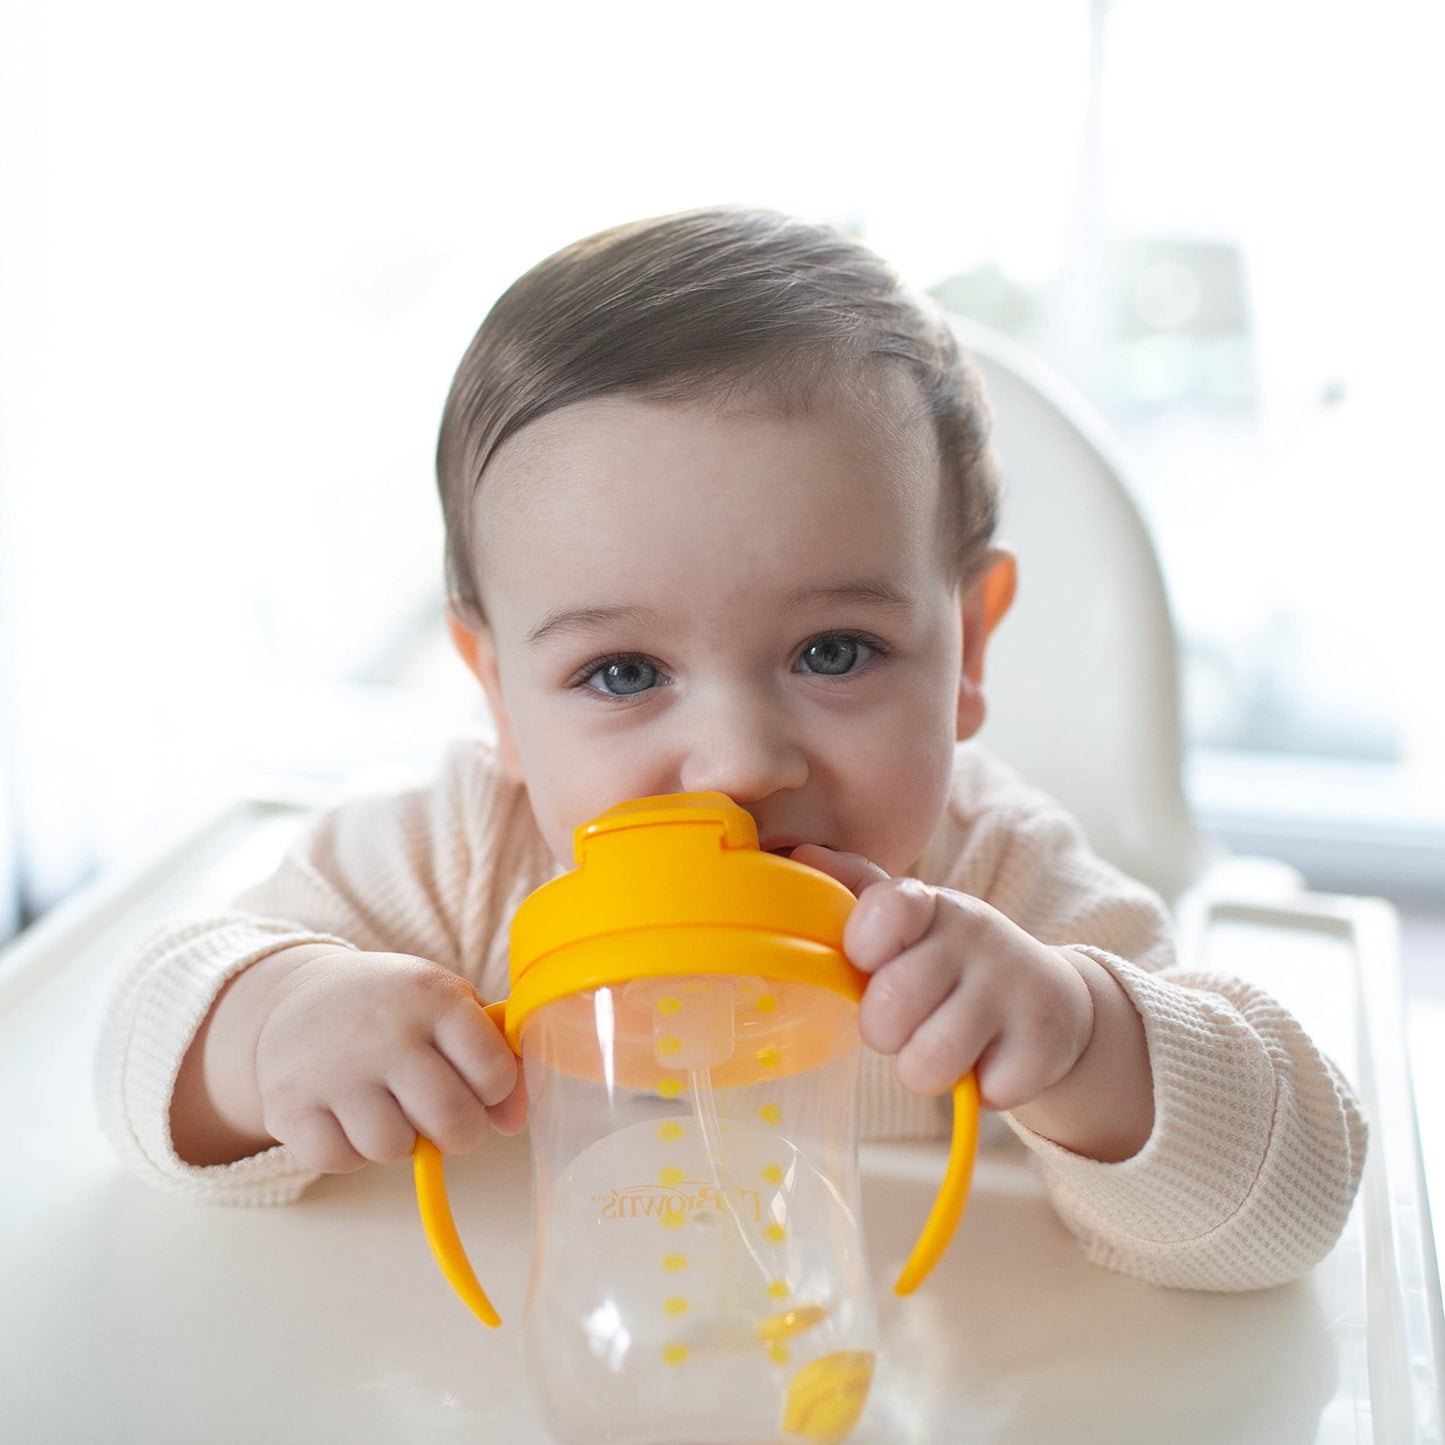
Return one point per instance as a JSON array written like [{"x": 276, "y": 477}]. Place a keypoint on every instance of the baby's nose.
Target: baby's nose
[{"x": 745, "y": 752}]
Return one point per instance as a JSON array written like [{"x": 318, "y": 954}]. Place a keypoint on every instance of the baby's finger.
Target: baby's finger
[
  {"x": 375, "y": 1125},
  {"x": 510, "y": 1116},
  {"x": 438, "y": 1102},
  {"x": 902, "y": 993},
  {"x": 473, "y": 1045},
  {"x": 945, "y": 1046},
  {"x": 317, "y": 1141},
  {"x": 890, "y": 917},
  {"x": 852, "y": 870}
]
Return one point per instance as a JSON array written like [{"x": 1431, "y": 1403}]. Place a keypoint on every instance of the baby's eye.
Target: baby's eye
[
  {"x": 622, "y": 676},
  {"x": 835, "y": 654}
]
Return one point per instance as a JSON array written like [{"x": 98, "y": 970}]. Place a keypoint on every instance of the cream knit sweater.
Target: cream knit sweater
[{"x": 1258, "y": 1142}]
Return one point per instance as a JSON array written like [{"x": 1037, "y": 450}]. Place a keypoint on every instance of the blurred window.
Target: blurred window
[{"x": 243, "y": 257}]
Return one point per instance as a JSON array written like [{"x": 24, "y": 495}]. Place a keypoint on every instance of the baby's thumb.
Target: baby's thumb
[
  {"x": 852, "y": 870},
  {"x": 510, "y": 1116}
]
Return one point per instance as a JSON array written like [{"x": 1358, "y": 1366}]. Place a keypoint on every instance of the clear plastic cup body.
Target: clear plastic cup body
[{"x": 698, "y": 1272}]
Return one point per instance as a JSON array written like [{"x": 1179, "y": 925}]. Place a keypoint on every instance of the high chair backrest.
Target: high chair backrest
[{"x": 1082, "y": 675}]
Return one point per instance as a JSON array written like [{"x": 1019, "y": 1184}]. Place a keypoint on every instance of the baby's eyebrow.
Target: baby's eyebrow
[
  {"x": 562, "y": 620},
  {"x": 874, "y": 591}
]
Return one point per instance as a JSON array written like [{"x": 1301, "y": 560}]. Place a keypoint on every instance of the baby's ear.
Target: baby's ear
[
  {"x": 1000, "y": 583},
  {"x": 983, "y": 604},
  {"x": 474, "y": 642},
  {"x": 464, "y": 637}
]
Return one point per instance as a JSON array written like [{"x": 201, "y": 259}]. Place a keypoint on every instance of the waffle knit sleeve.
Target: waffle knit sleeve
[
  {"x": 1258, "y": 1142},
  {"x": 435, "y": 872}
]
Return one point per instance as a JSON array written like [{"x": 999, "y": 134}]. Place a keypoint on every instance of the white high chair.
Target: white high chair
[
  {"x": 1082, "y": 674},
  {"x": 177, "y": 1310}
]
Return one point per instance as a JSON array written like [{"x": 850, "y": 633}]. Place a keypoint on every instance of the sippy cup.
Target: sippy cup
[{"x": 687, "y": 1023}]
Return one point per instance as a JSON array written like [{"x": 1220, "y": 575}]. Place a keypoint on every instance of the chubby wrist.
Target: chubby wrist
[
  {"x": 252, "y": 994},
  {"x": 216, "y": 1113},
  {"x": 1103, "y": 1108}
]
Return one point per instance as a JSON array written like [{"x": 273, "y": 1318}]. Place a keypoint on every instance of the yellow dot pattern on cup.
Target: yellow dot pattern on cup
[
  {"x": 779, "y": 1353},
  {"x": 773, "y": 1173},
  {"x": 669, "y": 1130},
  {"x": 667, "y": 1004},
  {"x": 766, "y": 1003},
  {"x": 675, "y": 1305},
  {"x": 674, "y": 1354},
  {"x": 776, "y": 1233},
  {"x": 787, "y": 1323},
  {"x": 778, "y": 1289},
  {"x": 673, "y": 1218},
  {"x": 669, "y": 1044},
  {"x": 770, "y": 1114},
  {"x": 669, "y": 1088},
  {"x": 767, "y": 1057},
  {"x": 674, "y": 1263},
  {"x": 670, "y": 1175}
]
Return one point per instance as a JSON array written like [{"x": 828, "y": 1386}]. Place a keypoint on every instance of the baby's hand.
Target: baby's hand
[
  {"x": 358, "y": 1053},
  {"x": 957, "y": 986}
]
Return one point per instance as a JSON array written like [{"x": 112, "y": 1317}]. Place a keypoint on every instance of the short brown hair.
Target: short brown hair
[{"x": 698, "y": 304}]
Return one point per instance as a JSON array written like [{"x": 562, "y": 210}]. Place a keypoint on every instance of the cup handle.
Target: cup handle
[
  {"x": 952, "y": 1193},
  {"x": 436, "y": 1214}
]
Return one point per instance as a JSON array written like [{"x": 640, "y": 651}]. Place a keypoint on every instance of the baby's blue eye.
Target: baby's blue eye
[
  {"x": 624, "y": 677},
  {"x": 834, "y": 655}
]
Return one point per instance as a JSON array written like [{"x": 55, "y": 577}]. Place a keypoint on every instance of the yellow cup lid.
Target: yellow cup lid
[{"x": 676, "y": 885}]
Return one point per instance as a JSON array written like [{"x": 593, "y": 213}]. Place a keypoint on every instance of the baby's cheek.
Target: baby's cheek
[{"x": 907, "y": 807}]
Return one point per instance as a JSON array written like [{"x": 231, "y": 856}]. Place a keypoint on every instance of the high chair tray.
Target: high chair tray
[{"x": 130, "y": 1315}]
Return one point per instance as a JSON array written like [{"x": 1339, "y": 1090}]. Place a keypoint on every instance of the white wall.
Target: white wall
[{"x": 245, "y": 247}]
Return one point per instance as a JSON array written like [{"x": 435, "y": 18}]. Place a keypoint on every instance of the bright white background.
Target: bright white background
[{"x": 243, "y": 250}]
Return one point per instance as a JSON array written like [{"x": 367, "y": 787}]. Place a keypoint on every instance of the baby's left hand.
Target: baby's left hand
[{"x": 957, "y": 986}]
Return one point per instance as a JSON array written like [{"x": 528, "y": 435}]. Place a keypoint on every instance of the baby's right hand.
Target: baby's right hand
[{"x": 358, "y": 1053}]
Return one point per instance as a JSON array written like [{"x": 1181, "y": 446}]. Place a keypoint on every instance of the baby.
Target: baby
[{"x": 720, "y": 513}]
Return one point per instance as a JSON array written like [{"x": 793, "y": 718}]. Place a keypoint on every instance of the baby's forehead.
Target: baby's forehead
[
  {"x": 879, "y": 394},
  {"x": 629, "y": 483}
]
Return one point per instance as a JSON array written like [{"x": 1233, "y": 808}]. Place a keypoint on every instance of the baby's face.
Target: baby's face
[{"x": 681, "y": 597}]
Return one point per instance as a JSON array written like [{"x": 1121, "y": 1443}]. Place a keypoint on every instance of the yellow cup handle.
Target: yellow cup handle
[
  {"x": 952, "y": 1193},
  {"x": 436, "y": 1215},
  {"x": 938, "y": 1229}
]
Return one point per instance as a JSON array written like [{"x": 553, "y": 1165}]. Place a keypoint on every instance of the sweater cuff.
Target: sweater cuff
[
  {"x": 1214, "y": 1105},
  {"x": 163, "y": 1004}
]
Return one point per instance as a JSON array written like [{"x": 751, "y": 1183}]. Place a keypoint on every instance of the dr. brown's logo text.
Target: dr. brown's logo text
[{"x": 653, "y": 1201}]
